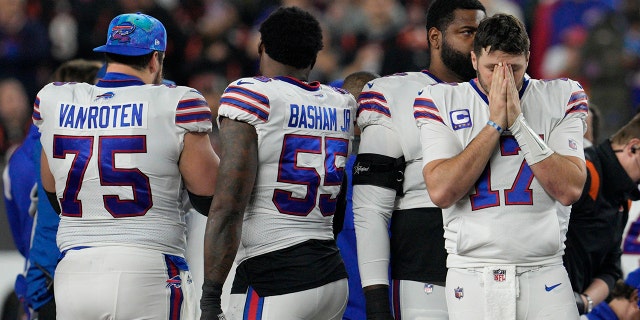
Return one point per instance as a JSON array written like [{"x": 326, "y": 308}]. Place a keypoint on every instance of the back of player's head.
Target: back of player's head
[
  {"x": 292, "y": 37},
  {"x": 77, "y": 70},
  {"x": 441, "y": 12},
  {"x": 627, "y": 132},
  {"x": 133, "y": 38},
  {"x": 501, "y": 32},
  {"x": 355, "y": 81}
]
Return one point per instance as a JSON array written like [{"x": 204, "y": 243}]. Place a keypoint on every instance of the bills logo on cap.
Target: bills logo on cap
[
  {"x": 499, "y": 275},
  {"x": 134, "y": 34},
  {"x": 121, "y": 32},
  {"x": 458, "y": 293},
  {"x": 460, "y": 119}
]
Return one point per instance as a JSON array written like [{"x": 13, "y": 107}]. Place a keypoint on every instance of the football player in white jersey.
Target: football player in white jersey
[
  {"x": 284, "y": 145},
  {"x": 499, "y": 152},
  {"x": 116, "y": 159},
  {"x": 388, "y": 184}
]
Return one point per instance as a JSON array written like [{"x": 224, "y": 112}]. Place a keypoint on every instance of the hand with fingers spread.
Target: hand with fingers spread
[
  {"x": 498, "y": 96},
  {"x": 513, "y": 97}
]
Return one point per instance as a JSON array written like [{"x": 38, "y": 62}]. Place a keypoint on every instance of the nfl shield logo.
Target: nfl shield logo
[
  {"x": 499, "y": 275},
  {"x": 458, "y": 292},
  {"x": 428, "y": 288}
]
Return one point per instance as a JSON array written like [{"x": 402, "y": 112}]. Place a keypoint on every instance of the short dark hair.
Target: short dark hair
[
  {"x": 292, "y": 36},
  {"x": 627, "y": 132},
  {"x": 501, "y": 32},
  {"x": 77, "y": 70},
  {"x": 441, "y": 12},
  {"x": 354, "y": 82},
  {"x": 136, "y": 62},
  {"x": 622, "y": 290}
]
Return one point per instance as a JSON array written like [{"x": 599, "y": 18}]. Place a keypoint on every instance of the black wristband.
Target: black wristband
[
  {"x": 579, "y": 303},
  {"x": 211, "y": 300},
  {"x": 377, "y": 303}
]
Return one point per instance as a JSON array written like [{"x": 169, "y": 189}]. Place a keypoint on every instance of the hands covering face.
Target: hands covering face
[{"x": 504, "y": 99}]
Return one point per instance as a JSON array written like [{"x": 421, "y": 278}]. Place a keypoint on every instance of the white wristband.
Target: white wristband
[{"x": 534, "y": 148}]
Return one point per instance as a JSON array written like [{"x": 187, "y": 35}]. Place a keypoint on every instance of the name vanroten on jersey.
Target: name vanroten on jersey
[{"x": 117, "y": 116}]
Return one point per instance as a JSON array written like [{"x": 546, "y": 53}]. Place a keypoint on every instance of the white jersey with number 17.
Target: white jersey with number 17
[{"x": 507, "y": 217}]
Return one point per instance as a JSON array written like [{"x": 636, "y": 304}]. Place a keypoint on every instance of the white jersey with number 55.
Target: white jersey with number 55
[{"x": 304, "y": 138}]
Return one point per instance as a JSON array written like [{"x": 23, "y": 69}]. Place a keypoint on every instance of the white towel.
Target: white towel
[{"x": 500, "y": 285}]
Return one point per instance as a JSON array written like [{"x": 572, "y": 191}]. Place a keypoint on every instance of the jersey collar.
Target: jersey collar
[
  {"x": 115, "y": 79},
  {"x": 309, "y": 86},
  {"x": 438, "y": 80},
  {"x": 474, "y": 85}
]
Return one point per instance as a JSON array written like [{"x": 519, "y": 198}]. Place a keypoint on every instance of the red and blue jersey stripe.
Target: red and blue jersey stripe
[
  {"x": 36, "y": 110},
  {"x": 577, "y": 103},
  {"x": 374, "y": 102},
  {"x": 247, "y": 100},
  {"x": 192, "y": 110},
  {"x": 424, "y": 108}
]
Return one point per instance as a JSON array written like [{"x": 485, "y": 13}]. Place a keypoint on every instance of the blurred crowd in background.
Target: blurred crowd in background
[{"x": 213, "y": 42}]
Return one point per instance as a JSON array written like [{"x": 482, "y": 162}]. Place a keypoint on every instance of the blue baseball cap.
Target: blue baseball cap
[
  {"x": 135, "y": 34},
  {"x": 633, "y": 279}
]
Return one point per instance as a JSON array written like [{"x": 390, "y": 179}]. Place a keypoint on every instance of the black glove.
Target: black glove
[
  {"x": 377, "y": 304},
  {"x": 211, "y": 300}
]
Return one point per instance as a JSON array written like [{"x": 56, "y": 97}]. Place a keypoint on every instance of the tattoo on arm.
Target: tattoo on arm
[{"x": 236, "y": 177}]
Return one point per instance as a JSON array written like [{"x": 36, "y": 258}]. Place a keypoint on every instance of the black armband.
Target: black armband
[
  {"x": 53, "y": 199},
  {"x": 378, "y": 170},
  {"x": 211, "y": 300},
  {"x": 377, "y": 303},
  {"x": 202, "y": 204}
]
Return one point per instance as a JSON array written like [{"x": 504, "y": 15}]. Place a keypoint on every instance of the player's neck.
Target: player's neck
[
  {"x": 286, "y": 71},
  {"x": 619, "y": 306},
  {"x": 271, "y": 68},
  {"x": 125, "y": 69},
  {"x": 443, "y": 73}
]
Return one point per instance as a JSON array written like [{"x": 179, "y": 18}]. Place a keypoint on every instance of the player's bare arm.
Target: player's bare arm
[
  {"x": 237, "y": 174},
  {"x": 448, "y": 180},
  {"x": 48, "y": 182},
  {"x": 199, "y": 164},
  {"x": 562, "y": 177}
]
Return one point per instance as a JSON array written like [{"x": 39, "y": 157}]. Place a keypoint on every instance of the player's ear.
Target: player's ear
[
  {"x": 154, "y": 63},
  {"x": 634, "y": 144},
  {"x": 434, "y": 36},
  {"x": 260, "y": 48},
  {"x": 474, "y": 60}
]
